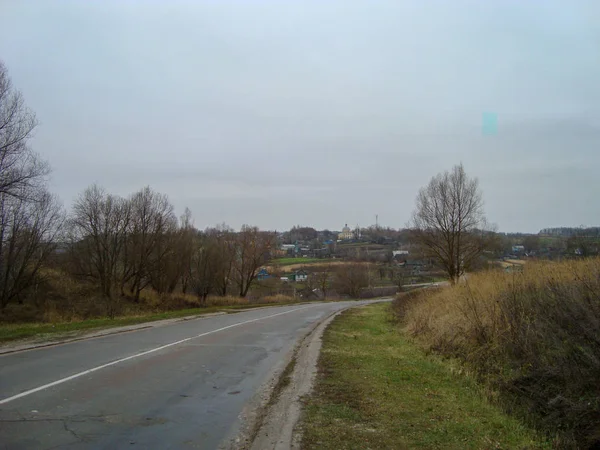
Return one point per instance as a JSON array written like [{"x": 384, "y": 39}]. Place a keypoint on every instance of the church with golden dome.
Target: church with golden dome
[{"x": 346, "y": 233}]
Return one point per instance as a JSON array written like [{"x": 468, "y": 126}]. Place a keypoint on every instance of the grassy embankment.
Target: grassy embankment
[
  {"x": 533, "y": 338},
  {"x": 377, "y": 389},
  {"x": 58, "y": 327}
]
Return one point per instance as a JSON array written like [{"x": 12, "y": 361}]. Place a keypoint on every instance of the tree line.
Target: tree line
[
  {"x": 121, "y": 245},
  {"x": 128, "y": 245}
]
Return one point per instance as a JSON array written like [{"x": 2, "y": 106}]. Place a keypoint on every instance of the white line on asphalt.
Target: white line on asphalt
[{"x": 137, "y": 355}]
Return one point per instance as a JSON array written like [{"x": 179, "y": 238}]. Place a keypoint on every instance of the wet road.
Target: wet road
[{"x": 177, "y": 386}]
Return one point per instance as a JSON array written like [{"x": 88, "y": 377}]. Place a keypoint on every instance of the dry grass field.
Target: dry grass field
[{"x": 532, "y": 336}]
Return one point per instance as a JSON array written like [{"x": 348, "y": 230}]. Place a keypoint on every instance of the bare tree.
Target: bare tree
[
  {"x": 382, "y": 270},
  {"x": 351, "y": 278},
  {"x": 164, "y": 272},
  {"x": 99, "y": 225},
  {"x": 531, "y": 243},
  {"x": 185, "y": 248},
  {"x": 322, "y": 280},
  {"x": 22, "y": 172},
  {"x": 28, "y": 233},
  {"x": 205, "y": 266},
  {"x": 400, "y": 276},
  {"x": 579, "y": 244},
  {"x": 253, "y": 251},
  {"x": 449, "y": 221},
  {"x": 226, "y": 242},
  {"x": 30, "y": 218},
  {"x": 152, "y": 219}
]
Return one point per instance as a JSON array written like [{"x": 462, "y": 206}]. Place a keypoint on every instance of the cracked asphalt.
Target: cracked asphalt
[{"x": 188, "y": 388}]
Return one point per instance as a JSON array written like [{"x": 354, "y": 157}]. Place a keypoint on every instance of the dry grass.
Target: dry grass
[
  {"x": 277, "y": 299},
  {"x": 533, "y": 336},
  {"x": 519, "y": 262},
  {"x": 60, "y": 327},
  {"x": 235, "y": 300},
  {"x": 62, "y": 304},
  {"x": 314, "y": 267},
  {"x": 509, "y": 263},
  {"x": 152, "y": 302},
  {"x": 60, "y": 298},
  {"x": 292, "y": 261}
]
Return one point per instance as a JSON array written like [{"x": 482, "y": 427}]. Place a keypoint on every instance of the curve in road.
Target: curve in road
[{"x": 182, "y": 385}]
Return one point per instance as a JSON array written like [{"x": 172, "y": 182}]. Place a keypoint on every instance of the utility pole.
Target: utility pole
[{"x": 377, "y": 221}]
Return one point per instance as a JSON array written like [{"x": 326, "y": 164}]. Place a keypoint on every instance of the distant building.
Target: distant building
[
  {"x": 415, "y": 266},
  {"x": 299, "y": 276},
  {"x": 289, "y": 249},
  {"x": 346, "y": 233},
  {"x": 518, "y": 249},
  {"x": 262, "y": 274}
]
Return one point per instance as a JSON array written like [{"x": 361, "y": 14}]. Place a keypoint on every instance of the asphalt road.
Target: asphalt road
[{"x": 177, "y": 386}]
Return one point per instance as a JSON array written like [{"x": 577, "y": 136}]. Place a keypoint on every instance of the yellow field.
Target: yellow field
[{"x": 313, "y": 267}]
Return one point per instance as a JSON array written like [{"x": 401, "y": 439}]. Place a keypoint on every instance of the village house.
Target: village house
[
  {"x": 262, "y": 274},
  {"x": 299, "y": 276}
]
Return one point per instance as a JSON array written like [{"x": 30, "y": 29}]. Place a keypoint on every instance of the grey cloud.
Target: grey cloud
[{"x": 322, "y": 113}]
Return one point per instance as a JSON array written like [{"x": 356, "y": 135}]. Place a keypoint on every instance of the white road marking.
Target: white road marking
[{"x": 137, "y": 355}]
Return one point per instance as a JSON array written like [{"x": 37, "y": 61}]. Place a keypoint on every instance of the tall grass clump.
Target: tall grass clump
[{"x": 533, "y": 337}]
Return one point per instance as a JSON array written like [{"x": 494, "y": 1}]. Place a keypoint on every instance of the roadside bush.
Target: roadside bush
[
  {"x": 59, "y": 297},
  {"x": 533, "y": 336},
  {"x": 277, "y": 299},
  {"x": 380, "y": 291},
  {"x": 226, "y": 301},
  {"x": 351, "y": 278}
]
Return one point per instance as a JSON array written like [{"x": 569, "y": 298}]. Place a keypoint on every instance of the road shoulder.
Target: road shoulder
[
  {"x": 285, "y": 404},
  {"x": 376, "y": 389}
]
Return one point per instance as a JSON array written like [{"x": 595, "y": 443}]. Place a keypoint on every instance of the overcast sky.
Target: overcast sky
[{"x": 320, "y": 113}]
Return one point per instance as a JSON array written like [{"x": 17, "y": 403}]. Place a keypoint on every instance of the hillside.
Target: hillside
[{"x": 531, "y": 336}]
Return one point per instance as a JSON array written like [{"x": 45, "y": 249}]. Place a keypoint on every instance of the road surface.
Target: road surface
[{"x": 177, "y": 386}]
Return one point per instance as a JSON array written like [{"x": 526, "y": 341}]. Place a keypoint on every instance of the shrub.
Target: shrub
[
  {"x": 59, "y": 297},
  {"x": 351, "y": 278},
  {"x": 277, "y": 299},
  {"x": 226, "y": 301},
  {"x": 379, "y": 291},
  {"x": 533, "y": 336}
]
